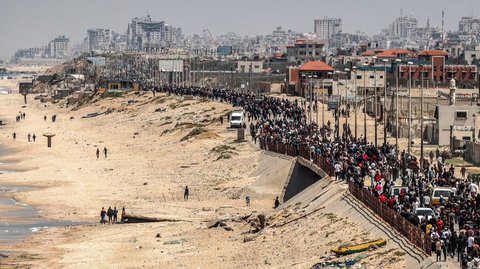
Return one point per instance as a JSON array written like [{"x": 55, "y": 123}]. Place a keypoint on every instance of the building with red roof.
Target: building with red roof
[
  {"x": 316, "y": 72},
  {"x": 396, "y": 53},
  {"x": 433, "y": 65}
]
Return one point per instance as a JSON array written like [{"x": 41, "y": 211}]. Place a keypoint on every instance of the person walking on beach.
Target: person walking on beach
[
  {"x": 14, "y": 135},
  {"x": 110, "y": 214},
  {"x": 277, "y": 202},
  {"x": 105, "y": 151},
  {"x": 98, "y": 153},
  {"x": 247, "y": 200},
  {"x": 115, "y": 214},
  {"x": 34, "y": 137},
  {"x": 29, "y": 136},
  {"x": 122, "y": 219},
  {"x": 185, "y": 194},
  {"x": 102, "y": 215},
  {"x": 45, "y": 118}
]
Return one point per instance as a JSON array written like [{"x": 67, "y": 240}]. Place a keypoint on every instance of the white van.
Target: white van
[{"x": 236, "y": 119}]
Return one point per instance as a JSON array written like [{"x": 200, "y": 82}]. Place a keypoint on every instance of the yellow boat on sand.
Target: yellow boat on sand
[{"x": 345, "y": 250}]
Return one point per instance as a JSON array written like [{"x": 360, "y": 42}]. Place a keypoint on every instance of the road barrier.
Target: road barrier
[
  {"x": 416, "y": 236},
  {"x": 403, "y": 226}
]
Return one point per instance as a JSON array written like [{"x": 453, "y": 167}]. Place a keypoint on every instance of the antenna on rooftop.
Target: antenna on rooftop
[{"x": 443, "y": 29}]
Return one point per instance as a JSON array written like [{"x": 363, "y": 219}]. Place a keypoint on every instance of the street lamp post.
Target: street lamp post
[
  {"x": 421, "y": 126},
  {"x": 346, "y": 105},
  {"x": 355, "y": 99},
  {"x": 409, "y": 107},
  {"x": 396, "y": 104},
  {"x": 323, "y": 98},
  {"x": 314, "y": 89},
  {"x": 310, "y": 97},
  {"x": 365, "y": 102},
  {"x": 385, "y": 101},
  {"x": 375, "y": 98}
]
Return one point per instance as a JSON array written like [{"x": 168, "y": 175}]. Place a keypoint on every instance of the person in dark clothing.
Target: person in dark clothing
[
  {"x": 105, "y": 151},
  {"x": 277, "y": 202},
  {"x": 29, "y": 136},
  {"x": 122, "y": 219},
  {"x": 45, "y": 118},
  {"x": 14, "y": 135},
  {"x": 115, "y": 214},
  {"x": 34, "y": 137},
  {"x": 102, "y": 215},
  {"x": 110, "y": 214},
  {"x": 98, "y": 153},
  {"x": 185, "y": 194}
]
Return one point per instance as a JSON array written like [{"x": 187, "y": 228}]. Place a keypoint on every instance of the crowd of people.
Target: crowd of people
[
  {"x": 111, "y": 214},
  {"x": 455, "y": 220}
]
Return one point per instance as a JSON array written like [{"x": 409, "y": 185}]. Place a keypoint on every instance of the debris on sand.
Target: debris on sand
[
  {"x": 194, "y": 132},
  {"x": 175, "y": 242}
]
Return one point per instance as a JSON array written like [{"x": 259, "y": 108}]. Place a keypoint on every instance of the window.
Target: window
[
  {"x": 460, "y": 115},
  {"x": 257, "y": 66},
  {"x": 372, "y": 77},
  {"x": 434, "y": 68},
  {"x": 359, "y": 77},
  {"x": 381, "y": 76}
]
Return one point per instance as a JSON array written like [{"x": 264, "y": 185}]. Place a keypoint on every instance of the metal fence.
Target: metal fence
[
  {"x": 302, "y": 151},
  {"x": 411, "y": 232}
]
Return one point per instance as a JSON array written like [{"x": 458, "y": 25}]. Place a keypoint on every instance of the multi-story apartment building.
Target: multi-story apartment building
[
  {"x": 403, "y": 27},
  {"x": 305, "y": 50},
  {"x": 143, "y": 34},
  {"x": 326, "y": 28},
  {"x": 99, "y": 39},
  {"x": 469, "y": 25},
  {"x": 59, "y": 47}
]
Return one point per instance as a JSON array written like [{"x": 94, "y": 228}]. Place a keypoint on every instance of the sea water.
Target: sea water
[{"x": 17, "y": 219}]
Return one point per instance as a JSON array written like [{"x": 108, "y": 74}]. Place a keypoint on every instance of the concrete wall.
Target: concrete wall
[
  {"x": 447, "y": 117},
  {"x": 472, "y": 153}
]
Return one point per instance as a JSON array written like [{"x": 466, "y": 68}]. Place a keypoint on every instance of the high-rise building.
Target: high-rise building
[
  {"x": 403, "y": 27},
  {"x": 469, "y": 25},
  {"x": 99, "y": 39},
  {"x": 144, "y": 34},
  {"x": 326, "y": 28},
  {"x": 59, "y": 47}
]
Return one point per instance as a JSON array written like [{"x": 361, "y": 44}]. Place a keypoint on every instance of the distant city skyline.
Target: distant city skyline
[{"x": 31, "y": 23}]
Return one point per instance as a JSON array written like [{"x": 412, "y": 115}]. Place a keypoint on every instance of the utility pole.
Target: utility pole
[
  {"x": 346, "y": 105},
  {"x": 385, "y": 101},
  {"x": 421, "y": 128},
  {"x": 365, "y": 103},
  {"x": 396, "y": 104},
  {"x": 375, "y": 98},
  {"x": 355, "y": 100},
  {"x": 409, "y": 107}
]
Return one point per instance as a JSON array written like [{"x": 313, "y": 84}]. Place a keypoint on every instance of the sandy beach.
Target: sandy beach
[{"x": 150, "y": 161}]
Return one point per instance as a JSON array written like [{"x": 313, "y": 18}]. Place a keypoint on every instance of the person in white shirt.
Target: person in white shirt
[{"x": 338, "y": 169}]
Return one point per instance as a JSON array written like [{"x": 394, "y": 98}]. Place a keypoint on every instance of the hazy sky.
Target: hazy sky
[{"x": 29, "y": 23}]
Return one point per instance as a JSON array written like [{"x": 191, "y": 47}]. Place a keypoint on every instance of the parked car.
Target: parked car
[
  {"x": 395, "y": 190},
  {"x": 440, "y": 191},
  {"x": 424, "y": 212}
]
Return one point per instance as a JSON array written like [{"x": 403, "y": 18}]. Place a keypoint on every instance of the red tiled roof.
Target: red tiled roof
[
  {"x": 368, "y": 53},
  {"x": 392, "y": 53},
  {"x": 433, "y": 53},
  {"x": 316, "y": 66}
]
